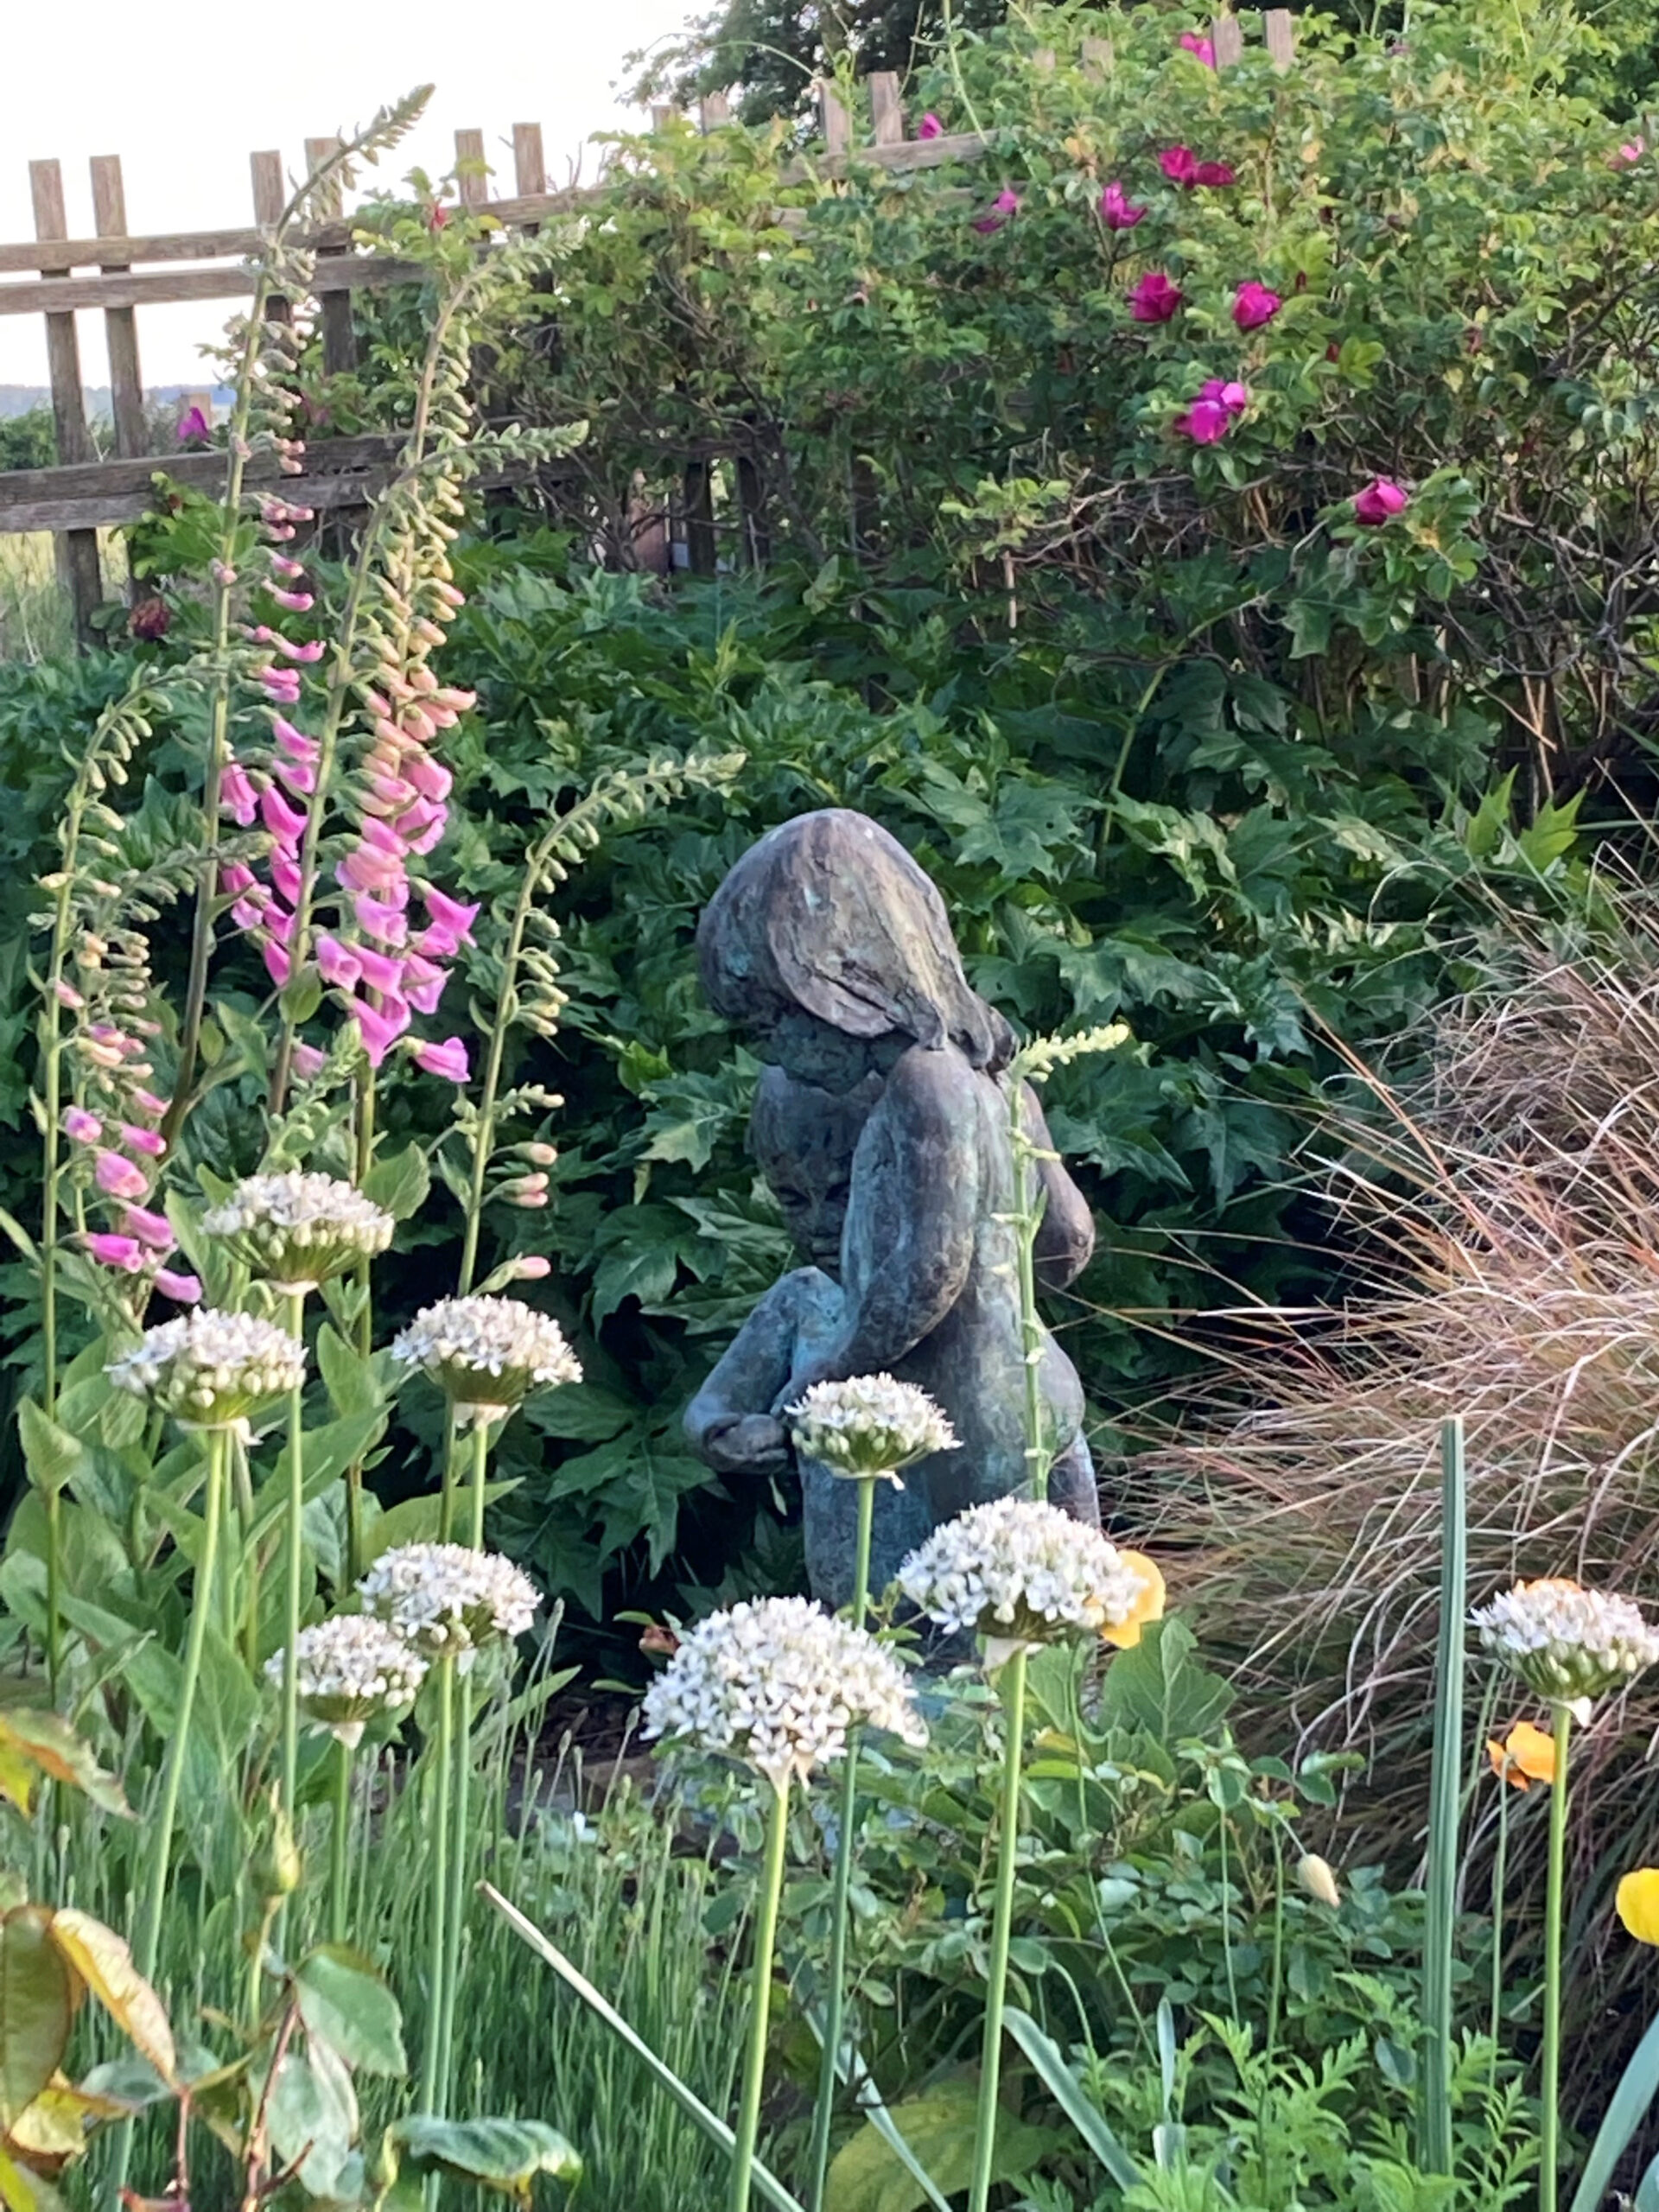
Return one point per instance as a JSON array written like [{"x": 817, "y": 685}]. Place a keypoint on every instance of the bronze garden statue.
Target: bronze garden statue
[{"x": 881, "y": 1125}]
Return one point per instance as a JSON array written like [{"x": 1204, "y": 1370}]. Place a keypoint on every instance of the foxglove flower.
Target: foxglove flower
[
  {"x": 350, "y": 1669},
  {"x": 447, "y": 1059},
  {"x": 298, "y": 1230},
  {"x": 1018, "y": 1573},
  {"x": 1567, "y": 1643},
  {"x": 210, "y": 1369},
  {"x": 486, "y": 1354},
  {"x": 777, "y": 1682},
  {"x": 448, "y": 1600},
  {"x": 869, "y": 1426}
]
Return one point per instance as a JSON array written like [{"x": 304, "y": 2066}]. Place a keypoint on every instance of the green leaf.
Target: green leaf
[
  {"x": 1069, "y": 2094},
  {"x": 349, "y": 1379},
  {"x": 1160, "y": 1687},
  {"x": 53, "y": 1456},
  {"x": 1489, "y": 820},
  {"x": 645, "y": 1271},
  {"x": 346, "y": 2004},
  {"x": 1628, "y": 2107},
  {"x": 939, "y": 2126},
  {"x": 505, "y": 2155},
  {"x": 312, "y": 2117},
  {"x": 37, "y": 2004},
  {"x": 399, "y": 1183}
]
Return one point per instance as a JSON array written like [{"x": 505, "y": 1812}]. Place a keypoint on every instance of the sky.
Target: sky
[{"x": 185, "y": 97}]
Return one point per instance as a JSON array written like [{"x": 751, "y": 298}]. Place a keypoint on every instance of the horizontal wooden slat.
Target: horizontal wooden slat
[
  {"x": 129, "y": 289},
  {"x": 913, "y": 154},
  {"x": 339, "y": 472}
]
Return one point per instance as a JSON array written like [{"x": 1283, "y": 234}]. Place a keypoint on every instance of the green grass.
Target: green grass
[{"x": 34, "y": 615}]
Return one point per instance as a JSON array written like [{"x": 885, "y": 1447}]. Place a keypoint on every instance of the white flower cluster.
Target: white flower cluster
[
  {"x": 448, "y": 1600},
  {"x": 210, "y": 1368},
  {"x": 1568, "y": 1643},
  {"x": 1018, "y": 1571},
  {"x": 349, "y": 1669},
  {"x": 297, "y": 1231},
  {"x": 778, "y": 1682},
  {"x": 870, "y": 1425},
  {"x": 488, "y": 1354}
]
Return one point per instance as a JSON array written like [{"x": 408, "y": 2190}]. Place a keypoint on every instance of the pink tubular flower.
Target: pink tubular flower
[
  {"x": 378, "y": 1034},
  {"x": 1253, "y": 304},
  {"x": 234, "y": 876},
  {"x": 194, "y": 428},
  {"x": 248, "y": 912},
  {"x": 1155, "y": 299},
  {"x": 1115, "y": 211},
  {"x": 286, "y": 823},
  {"x": 447, "y": 1059},
  {"x": 278, "y": 966},
  {"x": 308, "y": 1062},
  {"x": 297, "y": 602},
  {"x": 531, "y": 1266},
  {"x": 384, "y": 838},
  {"x": 285, "y": 877},
  {"x": 429, "y": 777},
  {"x": 282, "y": 686},
  {"x": 449, "y": 914},
  {"x": 295, "y": 742},
  {"x": 119, "y": 1177},
  {"x": 365, "y": 869},
  {"x": 112, "y": 1251},
  {"x": 930, "y": 126},
  {"x": 84, "y": 1128},
  {"x": 423, "y": 983},
  {"x": 237, "y": 796},
  {"x": 1235, "y": 397},
  {"x": 386, "y": 924},
  {"x": 1204, "y": 422},
  {"x": 183, "y": 1290},
  {"x": 294, "y": 778},
  {"x": 145, "y": 1141},
  {"x": 337, "y": 963},
  {"x": 378, "y": 970},
  {"x": 1202, "y": 47},
  {"x": 1381, "y": 499},
  {"x": 423, "y": 825},
  {"x": 67, "y": 994},
  {"x": 152, "y": 1229},
  {"x": 1005, "y": 205},
  {"x": 147, "y": 1103}
]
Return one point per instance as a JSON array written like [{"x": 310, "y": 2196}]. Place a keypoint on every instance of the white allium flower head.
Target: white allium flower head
[
  {"x": 1019, "y": 1571},
  {"x": 1568, "y": 1643},
  {"x": 209, "y": 1368},
  {"x": 777, "y": 1682},
  {"x": 870, "y": 1425},
  {"x": 297, "y": 1231},
  {"x": 449, "y": 1599},
  {"x": 349, "y": 1669},
  {"x": 486, "y": 1354}
]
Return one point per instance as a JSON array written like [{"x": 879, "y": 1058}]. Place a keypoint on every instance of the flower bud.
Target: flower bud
[
  {"x": 539, "y": 1155},
  {"x": 277, "y": 1868},
  {"x": 1316, "y": 1877}
]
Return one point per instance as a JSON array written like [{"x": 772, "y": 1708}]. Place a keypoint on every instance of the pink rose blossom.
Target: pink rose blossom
[
  {"x": 84, "y": 1128},
  {"x": 1235, "y": 397},
  {"x": 1204, "y": 421},
  {"x": 1214, "y": 173},
  {"x": 1253, "y": 304},
  {"x": 237, "y": 796},
  {"x": 1631, "y": 150},
  {"x": 119, "y": 1177},
  {"x": 1155, "y": 299},
  {"x": 308, "y": 1062},
  {"x": 930, "y": 126},
  {"x": 184, "y": 1290},
  {"x": 152, "y": 1229},
  {"x": 1381, "y": 499},
  {"x": 1202, "y": 47},
  {"x": 1115, "y": 211},
  {"x": 112, "y": 1251},
  {"x": 1006, "y": 205},
  {"x": 447, "y": 1059},
  {"x": 145, "y": 1141},
  {"x": 1180, "y": 164}
]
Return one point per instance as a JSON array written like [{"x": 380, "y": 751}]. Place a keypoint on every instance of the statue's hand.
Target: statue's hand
[{"x": 748, "y": 1444}]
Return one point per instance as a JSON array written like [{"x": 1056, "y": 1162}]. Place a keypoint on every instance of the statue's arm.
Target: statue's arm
[
  {"x": 1065, "y": 1240},
  {"x": 912, "y": 1222},
  {"x": 730, "y": 1422}
]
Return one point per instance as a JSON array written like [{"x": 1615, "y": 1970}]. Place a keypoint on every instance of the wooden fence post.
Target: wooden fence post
[
  {"x": 714, "y": 112},
  {"x": 529, "y": 164},
  {"x": 1279, "y": 27},
  {"x": 120, "y": 324},
  {"x": 471, "y": 183},
  {"x": 834, "y": 117},
  {"x": 885, "y": 111},
  {"x": 1227, "y": 36},
  {"x": 77, "y": 550},
  {"x": 338, "y": 339}
]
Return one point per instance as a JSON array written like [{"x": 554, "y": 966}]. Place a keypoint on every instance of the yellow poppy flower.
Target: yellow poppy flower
[
  {"x": 1525, "y": 1755},
  {"x": 1148, "y": 1606},
  {"x": 1637, "y": 1901}
]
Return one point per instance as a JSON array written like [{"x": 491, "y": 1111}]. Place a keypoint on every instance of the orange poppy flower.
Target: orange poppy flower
[
  {"x": 1525, "y": 1755},
  {"x": 1148, "y": 1606}
]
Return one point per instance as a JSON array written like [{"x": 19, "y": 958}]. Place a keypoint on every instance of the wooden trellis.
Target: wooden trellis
[{"x": 122, "y": 271}]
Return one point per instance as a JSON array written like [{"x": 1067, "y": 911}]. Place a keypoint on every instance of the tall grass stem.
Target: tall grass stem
[
  {"x": 1445, "y": 1784},
  {"x": 1013, "y": 1706},
  {"x": 294, "y": 1568},
  {"x": 765, "y": 1940},
  {"x": 432, "y": 2085},
  {"x": 1549, "y": 2091}
]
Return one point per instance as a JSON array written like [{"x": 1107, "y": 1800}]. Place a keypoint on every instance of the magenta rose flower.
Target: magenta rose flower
[
  {"x": 1253, "y": 304},
  {"x": 1379, "y": 502},
  {"x": 1202, "y": 47},
  {"x": 930, "y": 126},
  {"x": 1204, "y": 422},
  {"x": 1155, "y": 299},
  {"x": 1116, "y": 211},
  {"x": 1002, "y": 208}
]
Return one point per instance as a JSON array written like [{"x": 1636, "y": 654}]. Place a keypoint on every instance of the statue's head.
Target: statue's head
[
  {"x": 803, "y": 1139},
  {"x": 832, "y": 948}
]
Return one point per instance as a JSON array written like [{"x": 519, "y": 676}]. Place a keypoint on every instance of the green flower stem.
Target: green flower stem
[
  {"x": 365, "y": 1106},
  {"x": 147, "y": 1946},
  {"x": 1550, "y": 2087},
  {"x": 340, "y": 1844},
  {"x": 1014, "y": 1706},
  {"x": 765, "y": 1938},
  {"x": 1027, "y": 1220},
  {"x": 835, "y": 1997},
  {"x": 460, "y": 1837},
  {"x": 432, "y": 2085},
  {"x": 1500, "y": 1866},
  {"x": 294, "y": 1551}
]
